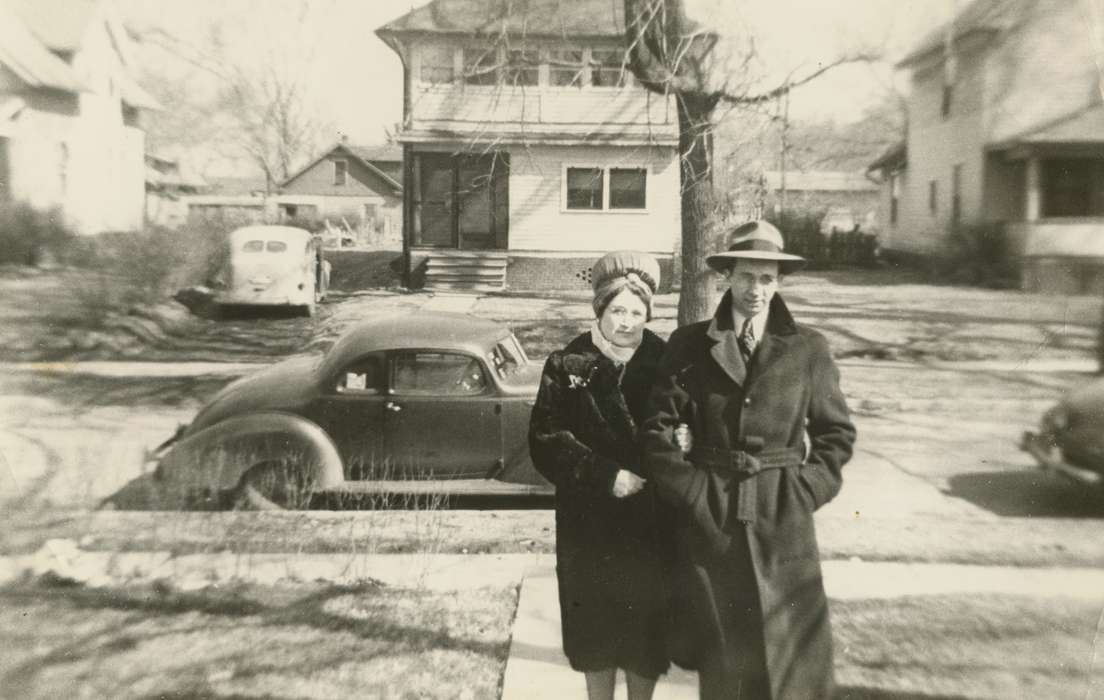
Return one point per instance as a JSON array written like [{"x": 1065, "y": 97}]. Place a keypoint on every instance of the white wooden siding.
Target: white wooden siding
[{"x": 537, "y": 222}]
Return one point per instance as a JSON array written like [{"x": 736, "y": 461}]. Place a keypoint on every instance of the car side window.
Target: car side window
[
  {"x": 438, "y": 374},
  {"x": 362, "y": 376}
]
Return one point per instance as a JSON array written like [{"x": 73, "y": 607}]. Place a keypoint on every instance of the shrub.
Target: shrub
[
  {"x": 980, "y": 254},
  {"x": 28, "y": 235},
  {"x": 153, "y": 264}
]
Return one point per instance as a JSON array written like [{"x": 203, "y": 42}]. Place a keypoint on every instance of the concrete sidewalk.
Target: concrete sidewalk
[{"x": 538, "y": 670}]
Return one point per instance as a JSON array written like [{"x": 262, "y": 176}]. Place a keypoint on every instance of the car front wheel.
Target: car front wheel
[{"x": 276, "y": 485}]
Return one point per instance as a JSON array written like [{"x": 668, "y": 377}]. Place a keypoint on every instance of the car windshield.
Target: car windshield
[
  {"x": 253, "y": 247},
  {"x": 276, "y": 246},
  {"x": 507, "y": 357}
]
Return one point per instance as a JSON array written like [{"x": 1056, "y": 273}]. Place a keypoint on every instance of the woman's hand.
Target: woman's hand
[
  {"x": 684, "y": 438},
  {"x": 626, "y": 484}
]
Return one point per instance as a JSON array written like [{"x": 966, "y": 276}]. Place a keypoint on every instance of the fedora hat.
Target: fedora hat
[{"x": 755, "y": 240}]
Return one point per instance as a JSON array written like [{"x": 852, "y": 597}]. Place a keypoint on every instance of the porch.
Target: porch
[{"x": 1056, "y": 221}]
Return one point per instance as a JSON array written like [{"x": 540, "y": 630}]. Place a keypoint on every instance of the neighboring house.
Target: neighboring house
[
  {"x": 232, "y": 201},
  {"x": 529, "y": 151},
  {"x": 357, "y": 188},
  {"x": 70, "y": 132},
  {"x": 167, "y": 186},
  {"x": 845, "y": 195},
  {"x": 1006, "y": 126}
]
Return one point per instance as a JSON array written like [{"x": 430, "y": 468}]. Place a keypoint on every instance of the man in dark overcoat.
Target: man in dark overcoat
[{"x": 770, "y": 432}]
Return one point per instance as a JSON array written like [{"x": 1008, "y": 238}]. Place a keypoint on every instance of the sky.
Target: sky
[{"x": 357, "y": 80}]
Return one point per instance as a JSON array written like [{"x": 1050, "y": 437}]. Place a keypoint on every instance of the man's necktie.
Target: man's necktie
[{"x": 747, "y": 341}]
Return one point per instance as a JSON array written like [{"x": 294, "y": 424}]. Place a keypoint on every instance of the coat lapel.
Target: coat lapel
[
  {"x": 725, "y": 349},
  {"x": 726, "y": 352},
  {"x": 781, "y": 329}
]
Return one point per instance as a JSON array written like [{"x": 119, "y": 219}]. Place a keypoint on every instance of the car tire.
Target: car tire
[{"x": 275, "y": 485}]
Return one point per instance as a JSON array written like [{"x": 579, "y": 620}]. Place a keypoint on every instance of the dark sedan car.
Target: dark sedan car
[
  {"x": 1071, "y": 438},
  {"x": 431, "y": 401}
]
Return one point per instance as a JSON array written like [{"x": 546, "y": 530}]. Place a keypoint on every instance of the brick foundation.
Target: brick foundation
[{"x": 565, "y": 274}]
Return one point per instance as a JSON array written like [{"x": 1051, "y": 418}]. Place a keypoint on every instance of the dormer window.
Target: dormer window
[
  {"x": 481, "y": 66},
  {"x": 437, "y": 64}
]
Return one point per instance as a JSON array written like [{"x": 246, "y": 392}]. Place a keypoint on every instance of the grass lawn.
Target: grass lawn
[
  {"x": 949, "y": 647},
  {"x": 288, "y": 641}
]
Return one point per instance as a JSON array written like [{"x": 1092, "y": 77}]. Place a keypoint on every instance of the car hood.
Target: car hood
[
  {"x": 284, "y": 386},
  {"x": 525, "y": 382}
]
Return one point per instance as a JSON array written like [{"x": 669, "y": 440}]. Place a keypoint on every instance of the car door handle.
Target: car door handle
[{"x": 392, "y": 406}]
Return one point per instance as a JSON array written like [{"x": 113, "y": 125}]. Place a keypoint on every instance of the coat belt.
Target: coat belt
[{"x": 738, "y": 466}]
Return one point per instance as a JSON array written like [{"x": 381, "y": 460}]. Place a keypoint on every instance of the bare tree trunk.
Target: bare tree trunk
[{"x": 696, "y": 176}]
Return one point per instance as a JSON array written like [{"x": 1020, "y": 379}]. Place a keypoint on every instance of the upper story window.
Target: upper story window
[
  {"x": 566, "y": 67},
  {"x": 956, "y": 193},
  {"x": 607, "y": 67},
  {"x": 933, "y": 197},
  {"x": 341, "y": 173},
  {"x": 948, "y": 98},
  {"x": 894, "y": 197},
  {"x": 437, "y": 64},
  {"x": 522, "y": 67},
  {"x": 481, "y": 65}
]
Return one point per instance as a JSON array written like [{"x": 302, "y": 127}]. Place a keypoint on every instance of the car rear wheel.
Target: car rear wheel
[{"x": 276, "y": 485}]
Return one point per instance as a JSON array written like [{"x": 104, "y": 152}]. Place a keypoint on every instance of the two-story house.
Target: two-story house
[
  {"x": 1006, "y": 126},
  {"x": 529, "y": 151},
  {"x": 70, "y": 133}
]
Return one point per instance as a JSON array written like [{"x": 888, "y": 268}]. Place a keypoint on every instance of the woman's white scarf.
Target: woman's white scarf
[{"x": 619, "y": 355}]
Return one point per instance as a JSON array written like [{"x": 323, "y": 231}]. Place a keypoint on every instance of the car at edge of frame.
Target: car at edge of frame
[{"x": 1070, "y": 440}]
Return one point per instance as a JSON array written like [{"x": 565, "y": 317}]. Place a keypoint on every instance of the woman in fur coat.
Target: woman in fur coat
[{"x": 582, "y": 436}]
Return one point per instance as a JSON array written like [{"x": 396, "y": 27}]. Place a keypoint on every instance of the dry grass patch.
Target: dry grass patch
[
  {"x": 995, "y": 646},
  {"x": 294, "y": 640}
]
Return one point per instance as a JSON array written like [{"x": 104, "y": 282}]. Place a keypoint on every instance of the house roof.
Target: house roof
[
  {"x": 977, "y": 17},
  {"x": 894, "y": 158},
  {"x": 1085, "y": 125},
  {"x": 387, "y": 153},
  {"x": 235, "y": 185},
  {"x": 365, "y": 155},
  {"x": 820, "y": 181},
  {"x": 595, "y": 18},
  {"x": 25, "y": 55},
  {"x": 59, "y": 24}
]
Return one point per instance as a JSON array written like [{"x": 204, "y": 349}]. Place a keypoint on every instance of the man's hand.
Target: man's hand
[{"x": 626, "y": 484}]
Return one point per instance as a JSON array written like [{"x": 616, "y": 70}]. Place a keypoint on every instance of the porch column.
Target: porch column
[{"x": 1034, "y": 194}]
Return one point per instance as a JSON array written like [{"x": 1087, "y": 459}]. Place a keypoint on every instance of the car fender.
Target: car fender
[{"x": 215, "y": 457}]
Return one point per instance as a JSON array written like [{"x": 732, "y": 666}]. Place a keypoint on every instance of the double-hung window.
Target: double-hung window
[
  {"x": 481, "y": 65},
  {"x": 566, "y": 67},
  {"x": 522, "y": 67},
  {"x": 594, "y": 188},
  {"x": 607, "y": 67}
]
